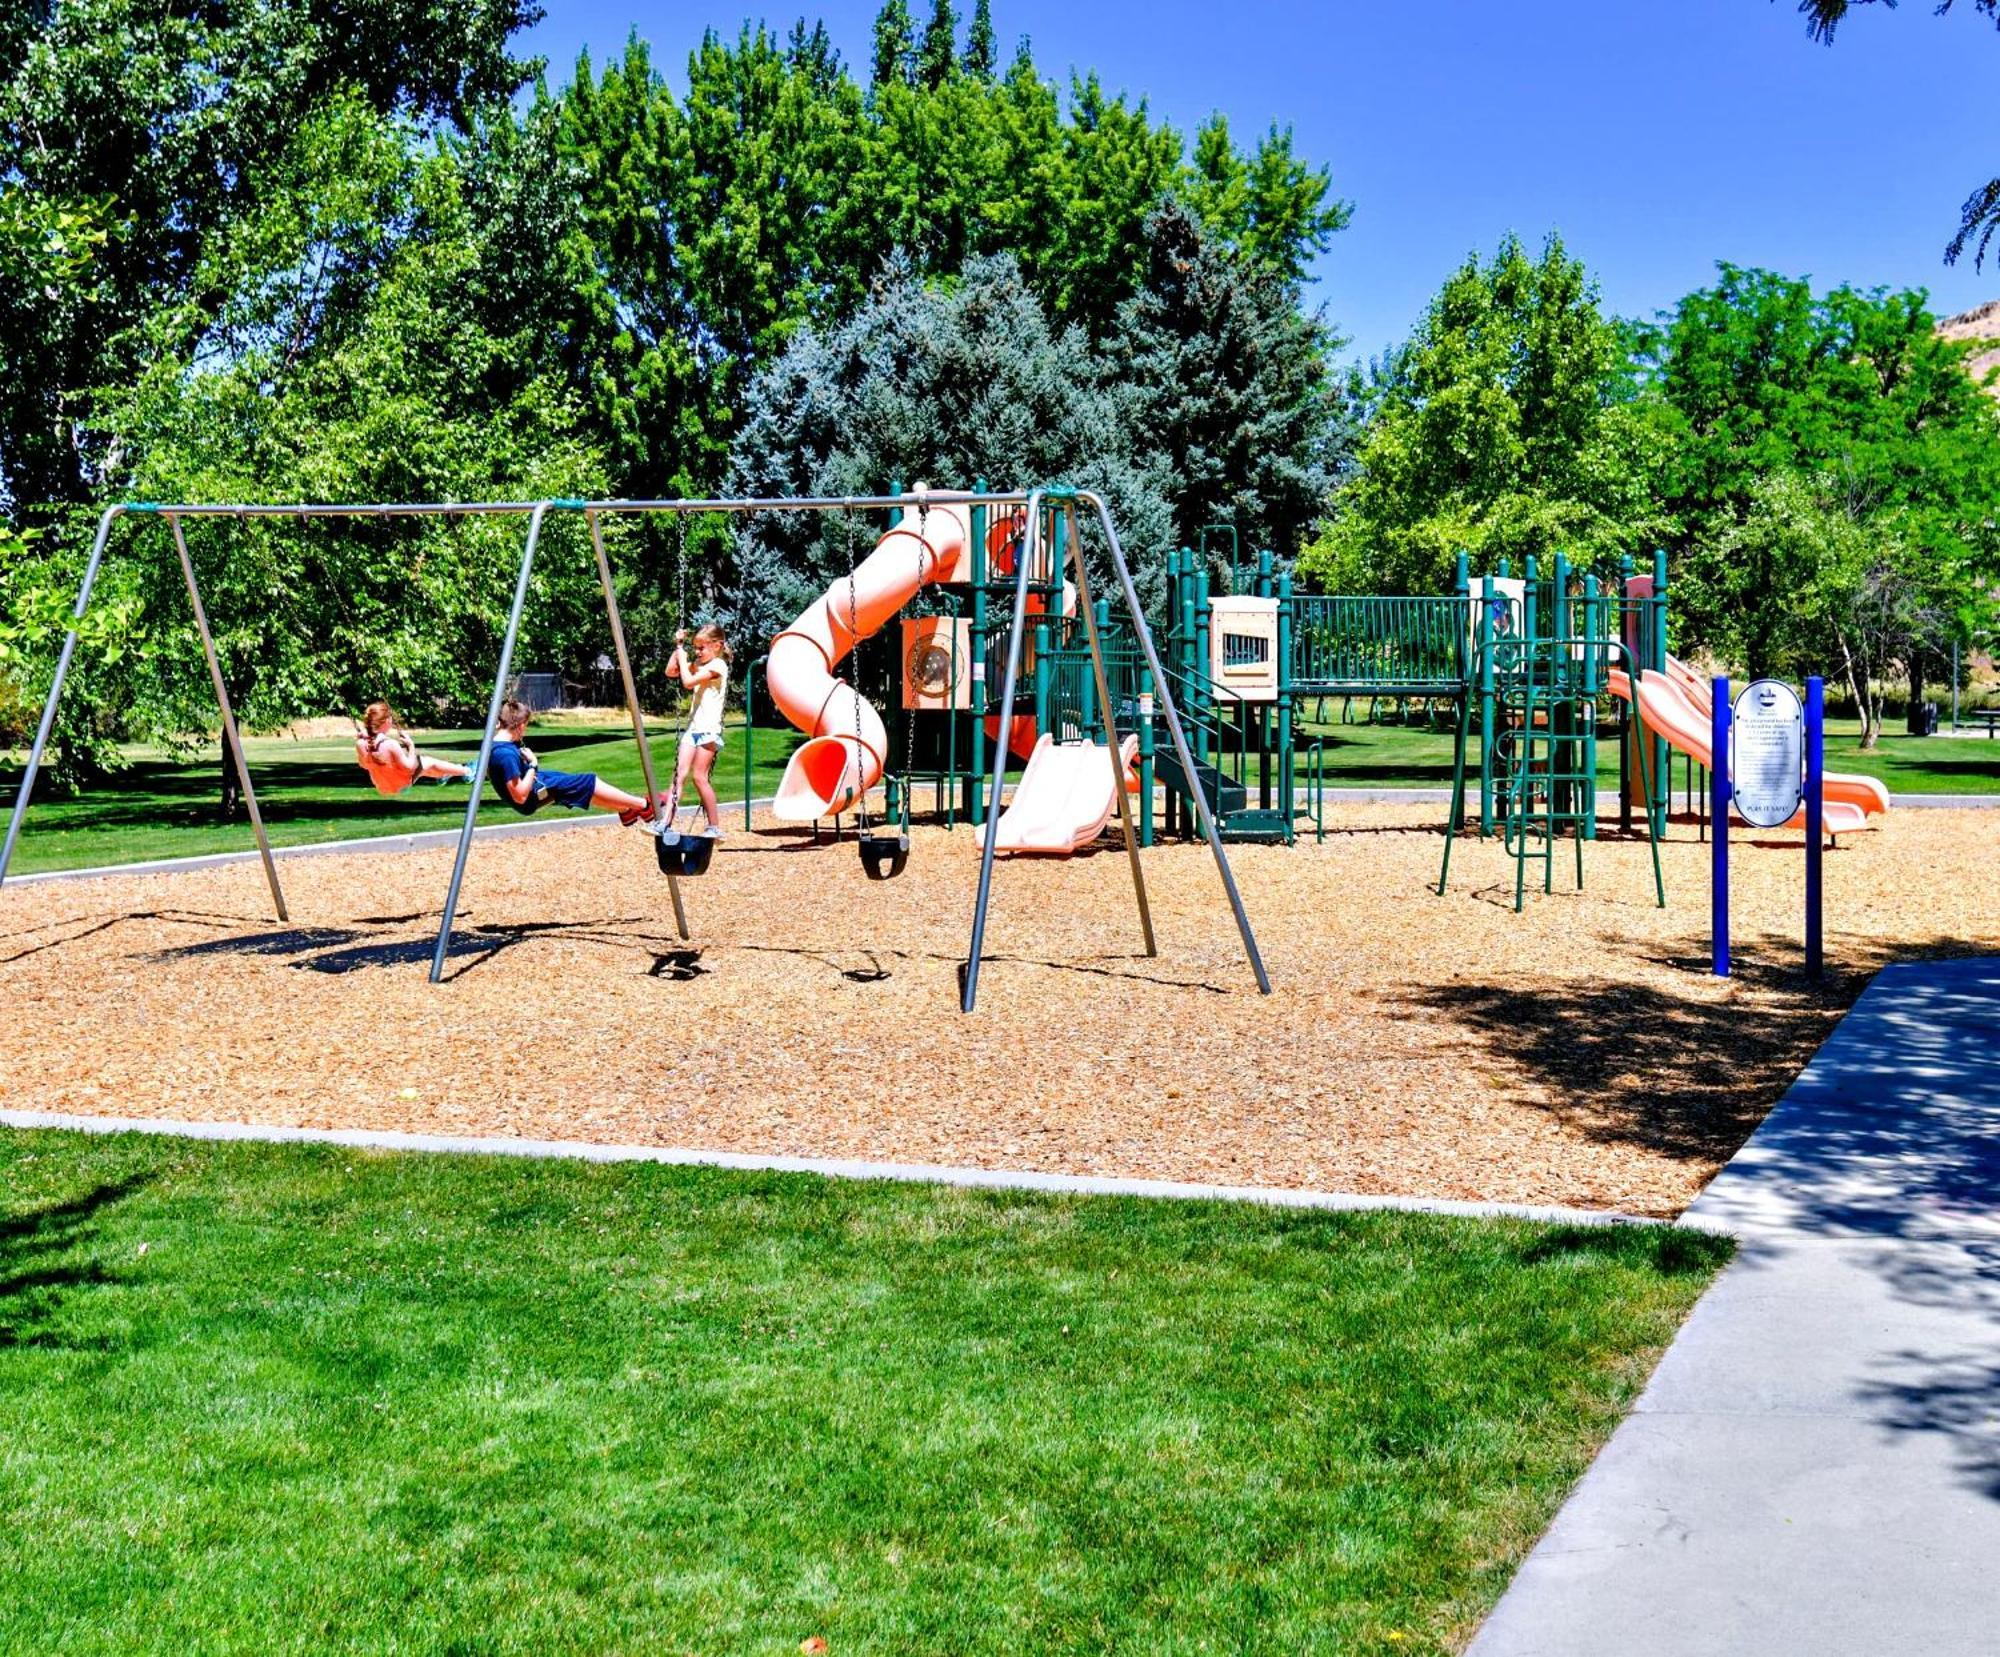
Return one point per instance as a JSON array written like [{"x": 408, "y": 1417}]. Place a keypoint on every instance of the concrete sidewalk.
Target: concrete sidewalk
[{"x": 1815, "y": 1468}]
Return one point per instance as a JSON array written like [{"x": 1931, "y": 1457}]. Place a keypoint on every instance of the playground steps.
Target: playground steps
[
  {"x": 1223, "y": 796},
  {"x": 1253, "y": 824},
  {"x": 1235, "y": 818}
]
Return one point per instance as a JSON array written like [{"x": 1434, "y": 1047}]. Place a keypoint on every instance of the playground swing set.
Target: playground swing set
[
  {"x": 845, "y": 753},
  {"x": 1103, "y": 717}
]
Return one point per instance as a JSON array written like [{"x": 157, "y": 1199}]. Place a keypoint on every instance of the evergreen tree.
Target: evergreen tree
[
  {"x": 895, "y": 32},
  {"x": 937, "y": 57},
  {"x": 982, "y": 49},
  {"x": 1222, "y": 375},
  {"x": 944, "y": 384}
]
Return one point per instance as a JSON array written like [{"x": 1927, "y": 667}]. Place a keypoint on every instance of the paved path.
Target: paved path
[{"x": 1815, "y": 1468}]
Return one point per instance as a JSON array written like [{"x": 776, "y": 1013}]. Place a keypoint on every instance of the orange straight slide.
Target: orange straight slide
[{"x": 1669, "y": 712}]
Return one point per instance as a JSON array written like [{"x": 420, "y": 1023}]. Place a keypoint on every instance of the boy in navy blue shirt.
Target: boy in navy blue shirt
[{"x": 528, "y": 787}]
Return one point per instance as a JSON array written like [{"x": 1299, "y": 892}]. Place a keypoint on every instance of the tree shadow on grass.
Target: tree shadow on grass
[{"x": 46, "y": 1257}]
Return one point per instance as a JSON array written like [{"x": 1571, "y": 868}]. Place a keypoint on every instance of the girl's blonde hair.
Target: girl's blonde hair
[{"x": 708, "y": 630}]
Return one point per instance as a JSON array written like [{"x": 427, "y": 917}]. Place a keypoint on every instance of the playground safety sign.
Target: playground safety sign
[{"x": 1767, "y": 766}]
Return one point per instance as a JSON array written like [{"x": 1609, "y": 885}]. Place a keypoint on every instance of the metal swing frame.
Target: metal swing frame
[{"x": 1057, "y": 503}]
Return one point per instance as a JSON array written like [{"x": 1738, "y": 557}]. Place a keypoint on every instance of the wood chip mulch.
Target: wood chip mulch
[{"x": 1579, "y": 1053}]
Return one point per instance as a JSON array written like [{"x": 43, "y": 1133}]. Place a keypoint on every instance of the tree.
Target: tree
[
  {"x": 982, "y": 50},
  {"x": 1979, "y": 218},
  {"x": 352, "y": 357},
  {"x": 1762, "y": 378},
  {"x": 167, "y": 112},
  {"x": 1862, "y": 598},
  {"x": 1270, "y": 206},
  {"x": 1222, "y": 375},
  {"x": 937, "y": 57},
  {"x": 940, "y": 382},
  {"x": 895, "y": 49},
  {"x": 1507, "y": 425}
]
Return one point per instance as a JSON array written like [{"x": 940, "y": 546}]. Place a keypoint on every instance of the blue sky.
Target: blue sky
[{"x": 1656, "y": 138}]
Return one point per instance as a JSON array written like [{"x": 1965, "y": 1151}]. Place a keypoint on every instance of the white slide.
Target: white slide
[{"x": 1064, "y": 798}]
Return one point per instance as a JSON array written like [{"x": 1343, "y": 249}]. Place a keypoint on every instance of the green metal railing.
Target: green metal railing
[{"x": 1344, "y": 642}]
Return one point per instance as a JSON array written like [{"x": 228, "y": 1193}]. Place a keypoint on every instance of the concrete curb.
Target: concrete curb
[
  {"x": 432, "y": 839},
  {"x": 913, "y": 1173}
]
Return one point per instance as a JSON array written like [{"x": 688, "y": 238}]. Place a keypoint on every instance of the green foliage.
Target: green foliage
[
  {"x": 1506, "y": 426},
  {"x": 347, "y": 361},
  {"x": 169, "y": 113},
  {"x": 1852, "y": 396},
  {"x": 318, "y": 251},
  {"x": 1269, "y": 206},
  {"x": 895, "y": 50},
  {"x": 982, "y": 49},
  {"x": 1225, "y": 377},
  {"x": 937, "y": 56}
]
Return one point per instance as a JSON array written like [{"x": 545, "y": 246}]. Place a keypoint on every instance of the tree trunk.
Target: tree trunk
[
  {"x": 1859, "y": 684},
  {"x": 1919, "y": 663},
  {"x": 232, "y": 790}
]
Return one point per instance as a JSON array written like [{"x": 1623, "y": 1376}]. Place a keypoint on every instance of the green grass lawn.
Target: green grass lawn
[
  {"x": 1414, "y": 756},
  {"x": 313, "y": 791},
  {"x": 261, "y": 1399}
]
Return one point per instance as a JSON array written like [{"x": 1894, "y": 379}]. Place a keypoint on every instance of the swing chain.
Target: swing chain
[{"x": 854, "y": 674}]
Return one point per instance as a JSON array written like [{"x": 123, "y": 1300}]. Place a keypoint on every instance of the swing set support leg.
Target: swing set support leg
[
  {"x": 230, "y": 734},
  {"x": 42, "y": 731},
  {"x": 486, "y": 742},
  {"x": 1089, "y": 611},
  {"x": 653, "y": 807}
]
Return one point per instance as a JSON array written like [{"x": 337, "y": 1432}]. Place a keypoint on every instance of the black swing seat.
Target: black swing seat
[
  {"x": 883, "y": 856},
  {"x": 685, "y": 855}
]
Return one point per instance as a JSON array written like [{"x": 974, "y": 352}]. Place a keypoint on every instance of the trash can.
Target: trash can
[{"x": 1923, "y": 719}]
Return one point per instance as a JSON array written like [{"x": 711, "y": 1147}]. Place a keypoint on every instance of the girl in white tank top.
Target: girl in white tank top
[{"x": 707, "y": 681}]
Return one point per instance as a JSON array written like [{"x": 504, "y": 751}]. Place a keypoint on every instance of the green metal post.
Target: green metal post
[
  {"x": 1661, "y": 758},
  {"x": 1212, "y": 718},
  {"x": 1562, "y": 710},
  {"x": 1591, "y": 629},
  {"x": 1486, "y": 713},
  {"x": 1146, "y": 742},
  {"x": 976, "y": 784},
  {"x": 1288, "y": 778},
  {"x": 1041, "y": 686}
]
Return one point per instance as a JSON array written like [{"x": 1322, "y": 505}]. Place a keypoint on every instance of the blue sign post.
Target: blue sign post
[
  {"x": 1718, "y": 839},
  {"x": 1815, "y": 817}
]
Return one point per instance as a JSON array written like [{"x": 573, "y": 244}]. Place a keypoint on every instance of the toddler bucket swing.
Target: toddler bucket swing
[
  {"x": 685, "y": 855},
  {"x": 884, "y": 854}
]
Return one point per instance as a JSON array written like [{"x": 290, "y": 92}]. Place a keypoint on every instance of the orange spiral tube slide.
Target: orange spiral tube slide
[{"x": 845, "y": 748}]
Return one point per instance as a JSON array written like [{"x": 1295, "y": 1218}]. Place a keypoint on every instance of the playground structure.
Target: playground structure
[
  {"x": 1521, "y": 665},
  {"x": 1040, "y": 529},
  {"x": 1524, "y": 666}
]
